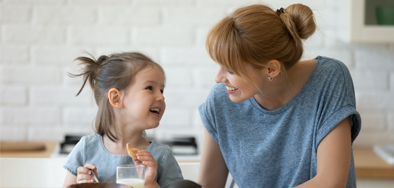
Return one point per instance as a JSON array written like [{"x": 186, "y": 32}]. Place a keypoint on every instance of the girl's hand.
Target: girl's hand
[
  {"x": 150, "y": 166},
  {"x": 84, "y": 173}
]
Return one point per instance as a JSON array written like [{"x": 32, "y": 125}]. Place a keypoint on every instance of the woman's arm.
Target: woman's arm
[
  {"x": 213, "y": 171},
  {"x": 333, "y": 158}
]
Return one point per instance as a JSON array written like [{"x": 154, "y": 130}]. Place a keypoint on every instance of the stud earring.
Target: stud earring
[{"x": 269, "y": 78}]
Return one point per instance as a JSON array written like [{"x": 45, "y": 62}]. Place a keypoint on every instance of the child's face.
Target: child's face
[
  {"x": 238, "y": 88},
  {"x": 144, "y": 101}
]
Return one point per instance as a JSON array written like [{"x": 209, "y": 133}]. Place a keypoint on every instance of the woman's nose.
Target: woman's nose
[{"x": 220, "y": 76}]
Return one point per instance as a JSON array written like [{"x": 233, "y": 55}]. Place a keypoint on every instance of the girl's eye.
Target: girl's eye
[
  {"x": 230, "y": 72},
  {"x": 149, "y": 87},
  {"x": 161, "y": 91}
]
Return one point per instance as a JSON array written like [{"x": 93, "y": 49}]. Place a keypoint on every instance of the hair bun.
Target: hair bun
[{"x": 303, "y": 19}]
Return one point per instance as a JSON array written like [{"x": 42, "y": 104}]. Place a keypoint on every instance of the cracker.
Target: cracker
[{"x": 132, "y": 151}]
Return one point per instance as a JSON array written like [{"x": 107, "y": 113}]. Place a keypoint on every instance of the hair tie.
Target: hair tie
[
  {"x": 280, "y": 11},
  {"x": 102, "y": 59}
]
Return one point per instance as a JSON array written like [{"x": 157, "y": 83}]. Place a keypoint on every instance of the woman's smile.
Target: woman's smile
[{"x": 231, "y": 90}]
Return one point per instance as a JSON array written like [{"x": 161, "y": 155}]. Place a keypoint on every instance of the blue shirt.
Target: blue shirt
[
  {"x": 278, "y": 148},
  {"x": 90, "y": 149}
]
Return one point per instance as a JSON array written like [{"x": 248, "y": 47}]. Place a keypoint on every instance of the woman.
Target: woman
[{"x": 273, "y": 120}]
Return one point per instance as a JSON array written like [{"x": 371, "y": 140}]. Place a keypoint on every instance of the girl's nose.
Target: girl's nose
[
  {"x": 220, "y": 76},
  {"x": 160, "y": 97}
]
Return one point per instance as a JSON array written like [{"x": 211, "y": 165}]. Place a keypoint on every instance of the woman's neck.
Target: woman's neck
[{"x": 283, "y": 88}]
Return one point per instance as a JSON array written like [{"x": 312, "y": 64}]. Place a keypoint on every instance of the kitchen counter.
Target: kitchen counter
[
  {"x": 367, "y": 163},
  {"x": 370, "y": 165},
  {"x": 45, "y": 153}
]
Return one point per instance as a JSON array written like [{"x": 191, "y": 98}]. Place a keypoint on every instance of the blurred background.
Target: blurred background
[{"x": 41, "y": 38}]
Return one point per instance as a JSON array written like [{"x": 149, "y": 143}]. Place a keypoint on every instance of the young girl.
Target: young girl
[
  {"x": 273, "y": 120},
  {"x": 128, "y": 89}
]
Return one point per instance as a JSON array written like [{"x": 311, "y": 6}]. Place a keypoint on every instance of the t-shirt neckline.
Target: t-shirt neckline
[{"x": 109, "y": 153}]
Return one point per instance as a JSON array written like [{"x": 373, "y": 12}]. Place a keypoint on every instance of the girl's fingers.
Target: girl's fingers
[
  {"x": 145, "y": 152},
  {"x": 84, "y": 181},
  {"x": 84, "y": 174},
  {"x": 90, "y": 166},
  {"x": 84, "y": 177},
  {"x": 144, "y": 155},
  {"x": 137, "y": 162},
  {"x": 83, "y": 170},
  {"x": 145, "y": 158},
  {"x": 149, "y": 163}
]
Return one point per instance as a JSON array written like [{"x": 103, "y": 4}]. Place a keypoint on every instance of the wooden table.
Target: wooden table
[
  {"x": 370, "y": 165},
  {"x": 46, "y": 153}
]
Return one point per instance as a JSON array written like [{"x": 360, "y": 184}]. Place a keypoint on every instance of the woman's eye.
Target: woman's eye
[
  {"x": 230, "y": 72},
  {"x": 149, "y": 87}
]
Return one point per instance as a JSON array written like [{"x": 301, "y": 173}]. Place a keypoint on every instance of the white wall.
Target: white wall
[{"x": 40, "y": 39}]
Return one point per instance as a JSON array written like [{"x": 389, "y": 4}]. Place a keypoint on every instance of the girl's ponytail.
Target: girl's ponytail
[{"x": 90, "y": 70}]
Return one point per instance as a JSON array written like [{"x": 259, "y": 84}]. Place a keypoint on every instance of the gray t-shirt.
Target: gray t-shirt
[
  {"x": 90, "y": 149},
  {"x": 278, "y": 148}
]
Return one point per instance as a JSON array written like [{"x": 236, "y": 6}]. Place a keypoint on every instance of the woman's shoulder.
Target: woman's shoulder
[{"x": 330, "y": 65}]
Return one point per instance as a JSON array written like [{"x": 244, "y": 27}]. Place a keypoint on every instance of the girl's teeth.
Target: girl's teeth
[
  {"x": 155, "y": 110},
  {"x": 231, "y": 88}
]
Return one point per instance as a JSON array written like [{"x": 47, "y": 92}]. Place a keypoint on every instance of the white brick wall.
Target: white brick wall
[
  {"x": 15, "y": 14},
  {"x": 98, "y": 35},
  {"x": 30, "y": 75},
  {"x": 41, "y": 38},
  {"x": 64, "y": 15},
  {"x": 14, "y": 55},
  {"x": 25, "y": 34},
  {"x": 13, "y": 95},
  {"x": 167, "y": 36}
]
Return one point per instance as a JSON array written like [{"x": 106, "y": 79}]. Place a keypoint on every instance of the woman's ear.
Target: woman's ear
[
  {"x": 115, "y": 98},
  {"x": 273, "y": 68}
]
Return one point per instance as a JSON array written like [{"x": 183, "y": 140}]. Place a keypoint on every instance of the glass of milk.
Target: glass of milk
[{"x": 131, "y": 174}]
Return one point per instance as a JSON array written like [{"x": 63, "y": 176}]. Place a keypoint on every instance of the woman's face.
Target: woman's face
[{"x": 238, "y": 88}]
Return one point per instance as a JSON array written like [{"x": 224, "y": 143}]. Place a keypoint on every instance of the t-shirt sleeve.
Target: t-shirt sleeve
[
  {"x": 207, "y": 110},
  {"x": 76, "y": 158},
  {"x": 339, "y": 103},
  {"x": 170, "y": 171}
]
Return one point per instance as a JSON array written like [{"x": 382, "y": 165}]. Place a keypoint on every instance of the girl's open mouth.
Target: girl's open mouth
[{"x": 155, "y": 110}]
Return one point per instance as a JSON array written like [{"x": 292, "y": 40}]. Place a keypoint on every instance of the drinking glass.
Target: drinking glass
[{"x": 131, "y": 174}]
